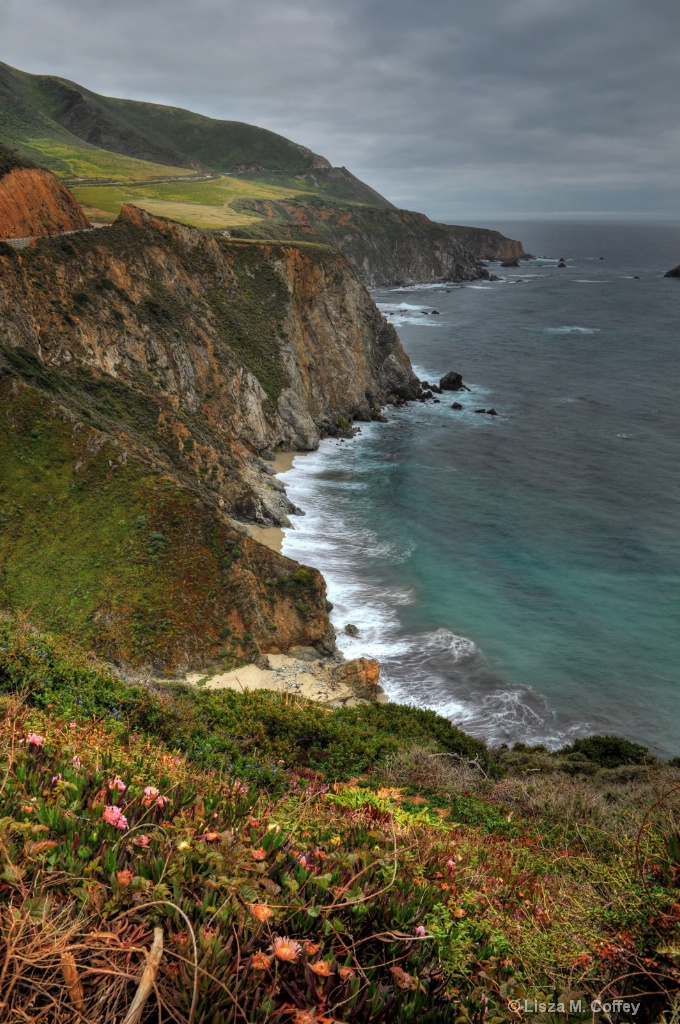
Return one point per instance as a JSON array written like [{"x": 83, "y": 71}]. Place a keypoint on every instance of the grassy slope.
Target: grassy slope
[
  {"x": 204, "y": 204},
  {"x": 42, "y": 106},
  {"x": 29, "y": 129},
  {"x": 421, "y": 891},
  {"x": 100, "y": 547},
  {"x": 57, "y": 122}
]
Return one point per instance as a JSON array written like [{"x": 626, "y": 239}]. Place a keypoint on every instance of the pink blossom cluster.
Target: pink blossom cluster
[
  {"x": 151, "y": 794},
  {"x": 117, "y": 784},
  {"x": 114, "y": 816},
  {"x": 34, "y": 739}
]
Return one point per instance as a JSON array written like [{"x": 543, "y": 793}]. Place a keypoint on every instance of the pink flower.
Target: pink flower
[
  {"x": 57, "y": 778},
  {"x": 114, "y": 816},
  {"x": 76, "y": 762},
  {"x": 34, "y": 739},
  {"x": 71, "y": 725},
  {"x": 162, "y": 801},
  {"x": 150, "y": 794},
  {"x": 420, "y": 931},
  {"x": 141, "y": 840},
  {"x": 117, "y": 784}
]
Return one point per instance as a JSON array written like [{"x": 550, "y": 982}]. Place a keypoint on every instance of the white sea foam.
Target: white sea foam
[
  {"x": 587, "y": 280},
  {"x": 572, "y": 330},
  {"x": 437, "y": 669},
  {"x": 407, "y": 313},
  {"x": 433, "y": 286}
]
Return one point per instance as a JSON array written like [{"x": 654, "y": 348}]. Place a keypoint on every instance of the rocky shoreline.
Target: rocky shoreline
[{"x": 309, "y": 672}]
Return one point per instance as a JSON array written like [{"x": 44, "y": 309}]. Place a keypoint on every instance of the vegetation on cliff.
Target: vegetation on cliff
[
  {"x": 144, "y": 367},
  {"x": 294, "y": 864},
  {"x": 132, "y": 562},
  {"x": 116, "y": 151}
]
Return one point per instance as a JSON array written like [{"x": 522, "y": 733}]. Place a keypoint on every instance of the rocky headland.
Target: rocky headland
[
  {"x": 385, "y": 246},
  {"x": 148, "y": 371}
]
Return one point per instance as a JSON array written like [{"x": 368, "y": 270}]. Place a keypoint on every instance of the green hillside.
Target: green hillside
[
  {"x": 36, "y": 108},
  {"x": 102, "y": 146},
  {"x": 226, "y": 175}
]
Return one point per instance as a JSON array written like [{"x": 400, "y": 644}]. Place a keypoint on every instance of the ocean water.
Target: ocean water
[{"x": 521, "y": 573}]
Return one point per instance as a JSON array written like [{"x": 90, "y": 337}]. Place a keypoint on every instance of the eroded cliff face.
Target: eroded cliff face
[
  {"x": 485, "y": 244},
  {"x": 232, "y": 348},
  {"x": 386, "y": 246},
  {"x": 146, "y": 369},
  {"x": 33, "y": 203}
]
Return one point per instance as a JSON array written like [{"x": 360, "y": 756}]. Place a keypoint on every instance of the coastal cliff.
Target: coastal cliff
[
  {"x": 486, "y": 244},
  {"x": 146, "y": 368},
  {"x": 33, "y": 202},
  {"x": 386, "y": 246}
]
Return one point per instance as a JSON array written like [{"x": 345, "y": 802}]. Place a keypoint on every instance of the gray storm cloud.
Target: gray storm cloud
[{"x": 493, "y": 108}]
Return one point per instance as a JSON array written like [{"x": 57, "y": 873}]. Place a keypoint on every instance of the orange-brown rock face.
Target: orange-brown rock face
[
  {"x": 33, "y": 204},
  {"x": 361, "y": 674},
  {"x": 180, "y": 358}
]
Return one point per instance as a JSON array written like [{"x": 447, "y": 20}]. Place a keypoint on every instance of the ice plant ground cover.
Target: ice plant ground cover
[{"x": 440, "y": 885}]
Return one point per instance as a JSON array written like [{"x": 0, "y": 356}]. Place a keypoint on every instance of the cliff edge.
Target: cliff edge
[
  {"x": 33, "y": 203},
  {"x": 144, "y": 371}
]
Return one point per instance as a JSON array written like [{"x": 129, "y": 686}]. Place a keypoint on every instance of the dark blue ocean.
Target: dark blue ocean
[{"x": 521, "y": 573}]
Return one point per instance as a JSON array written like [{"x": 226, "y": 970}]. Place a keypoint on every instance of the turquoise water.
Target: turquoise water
[{"x": 521, "y": 573}]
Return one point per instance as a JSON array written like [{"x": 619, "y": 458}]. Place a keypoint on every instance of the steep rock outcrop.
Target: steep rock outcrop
[
  {"x": 33, "y": 203},
  {"x": 146, "y": 367},
  {"x": 485, "y": 244},
  {"x": 235, "y": 347},
  {"x": 675, "y": 272},
  {"x": 385, "y": 246}
]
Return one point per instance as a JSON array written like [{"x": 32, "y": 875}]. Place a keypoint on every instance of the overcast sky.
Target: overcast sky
[{"x": 465, "y": 109}]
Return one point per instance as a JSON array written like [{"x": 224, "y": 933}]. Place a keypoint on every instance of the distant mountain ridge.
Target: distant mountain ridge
[{"x": 228, "y": 175}]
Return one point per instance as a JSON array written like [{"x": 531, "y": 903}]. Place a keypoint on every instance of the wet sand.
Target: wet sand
[{"x": 272, "y": 536}]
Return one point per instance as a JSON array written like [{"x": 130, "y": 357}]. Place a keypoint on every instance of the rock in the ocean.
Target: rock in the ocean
[
  {"x": 452, "y": 381},
  {"x": 491, "y": 412},
  {"x": 480, "y": 410},
  {"x": 561, "y": 265},
  {"x": 510, "y": 263},
  {"x": 351, "y": 629},
  {"x": 457, "y": 405},
  {"x": 675, "y": 272}
]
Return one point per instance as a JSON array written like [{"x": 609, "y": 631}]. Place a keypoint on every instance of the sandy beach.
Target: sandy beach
[
  {"x": 272, "y": 536},
  {"x": 304, "y": 674}
]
